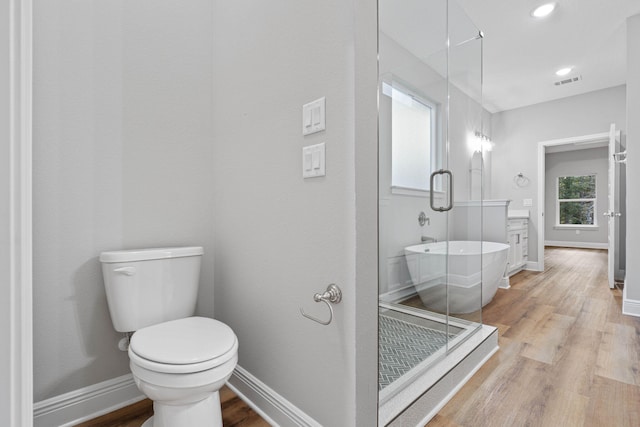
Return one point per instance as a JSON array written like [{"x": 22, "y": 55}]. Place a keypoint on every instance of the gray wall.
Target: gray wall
[
  {"x": 122, "y": 159},
  {"x": 516, "y": 134},
  {"x": 280, "y": 238},
  {"x": 5, "y": 219},
  {"x": 632, "y": 286},
  {"x": 577, "y": 162}
]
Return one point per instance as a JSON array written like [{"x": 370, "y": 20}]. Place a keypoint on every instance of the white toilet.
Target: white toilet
[{"x": 178, "y": 361}]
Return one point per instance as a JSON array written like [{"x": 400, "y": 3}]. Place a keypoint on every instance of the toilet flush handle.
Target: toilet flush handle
[{"x": 127, "y": 271}]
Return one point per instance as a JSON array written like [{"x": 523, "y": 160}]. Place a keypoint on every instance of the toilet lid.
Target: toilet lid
[{"x": 190, "y": 341}]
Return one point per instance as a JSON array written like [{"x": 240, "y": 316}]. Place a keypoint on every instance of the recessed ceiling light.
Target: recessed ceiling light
[
  {"x": 564, "y": 71},
  {"x": 543, "y": 10}
]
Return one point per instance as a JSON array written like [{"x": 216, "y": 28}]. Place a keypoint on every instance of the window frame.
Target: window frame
[
  {"x": 558, "y": 225},
  {"x": 435, "y": 136}
]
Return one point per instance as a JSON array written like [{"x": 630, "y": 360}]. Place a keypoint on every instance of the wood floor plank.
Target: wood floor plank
[
  {"x": 573, "y": 368},
  {"x": 545, "y": 342},
  {"x": 619, "y": 354},
  {"x": 613, "y": 403}
]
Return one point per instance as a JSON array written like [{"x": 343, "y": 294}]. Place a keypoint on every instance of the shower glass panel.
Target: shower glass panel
[{"x": 430, "y": 192}]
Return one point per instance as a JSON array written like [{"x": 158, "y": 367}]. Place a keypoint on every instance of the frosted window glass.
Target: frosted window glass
[{"x": 411, "y": 134}]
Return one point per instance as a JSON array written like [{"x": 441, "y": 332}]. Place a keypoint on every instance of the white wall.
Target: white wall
[
  {"x": 122, "y": 159},
  {"x": 577, "y": 162},
  {"x": 280, "y": 238},
  {"x": 632, "y": 284},
  {"x": 516, "y": 134}
]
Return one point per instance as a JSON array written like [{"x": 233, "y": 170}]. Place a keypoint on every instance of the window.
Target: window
[
  {"x": 576, "y": 203},
  {"x": 413, "y": 123}
]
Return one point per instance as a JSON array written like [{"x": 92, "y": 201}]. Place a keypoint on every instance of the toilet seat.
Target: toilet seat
[{"x": 188, "y": 345}]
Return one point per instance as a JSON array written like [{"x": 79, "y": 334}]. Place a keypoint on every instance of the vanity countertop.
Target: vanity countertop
[{"x": 518, "y": 214}]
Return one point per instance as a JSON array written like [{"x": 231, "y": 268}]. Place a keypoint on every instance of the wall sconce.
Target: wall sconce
[{"x": 483, "y": 142}]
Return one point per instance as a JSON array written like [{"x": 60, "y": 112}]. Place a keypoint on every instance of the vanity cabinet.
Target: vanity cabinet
[{"x": 518, "y": 238}]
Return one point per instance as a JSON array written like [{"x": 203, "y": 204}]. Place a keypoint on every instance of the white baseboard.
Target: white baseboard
[
  {"x": 630, "y": 307},
  {"x": 580, "y": 245},
  {"x": 86, "y": 403},
  {"x": 532, "y": 266},
  {"x": 398, "y": 294},
  {"x": 275, "y": 409},
  {"x": 504, "y": 283}
]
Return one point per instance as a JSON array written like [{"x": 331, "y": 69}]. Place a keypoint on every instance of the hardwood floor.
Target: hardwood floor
[
  {"x": 568, "y": 356},
  {"x": 235, "y": 413}
]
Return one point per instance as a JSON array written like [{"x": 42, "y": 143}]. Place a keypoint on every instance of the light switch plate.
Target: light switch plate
[
  {"x": 313, "y": 117},
  {"x": 313, "y": 161}
]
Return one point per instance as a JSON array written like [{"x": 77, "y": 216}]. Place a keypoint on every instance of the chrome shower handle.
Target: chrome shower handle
[
  {"x": 431, "y": 191},
  {"x": 333, "y": 295}
]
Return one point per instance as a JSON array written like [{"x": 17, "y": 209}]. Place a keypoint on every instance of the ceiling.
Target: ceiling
[{"x": 521, "y": 53}]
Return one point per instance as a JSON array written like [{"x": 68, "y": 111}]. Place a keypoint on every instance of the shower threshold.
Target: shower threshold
[{"x": 417, "y": 351}]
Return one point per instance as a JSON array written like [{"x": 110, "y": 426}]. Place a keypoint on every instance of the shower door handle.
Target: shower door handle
[{"x": 433, "y": 175}]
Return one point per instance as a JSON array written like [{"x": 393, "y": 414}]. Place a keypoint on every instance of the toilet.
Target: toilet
[{"x": 178, "y": 360}]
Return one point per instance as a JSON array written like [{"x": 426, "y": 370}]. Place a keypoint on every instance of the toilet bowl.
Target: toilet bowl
[
  {"x": 178, "y": 360},
  {"x": 181, "y": 365}
]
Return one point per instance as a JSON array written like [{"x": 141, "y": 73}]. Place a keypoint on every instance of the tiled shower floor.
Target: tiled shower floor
[{"x": 403, "y": 345}]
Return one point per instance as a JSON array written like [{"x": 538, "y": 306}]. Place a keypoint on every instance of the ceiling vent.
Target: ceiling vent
[{"x": 568, "y": 80}]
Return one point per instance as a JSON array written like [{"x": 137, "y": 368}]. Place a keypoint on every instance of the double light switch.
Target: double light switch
[
  {"x": 313, "y": 161},
  {"x": 313, "y": 117}
]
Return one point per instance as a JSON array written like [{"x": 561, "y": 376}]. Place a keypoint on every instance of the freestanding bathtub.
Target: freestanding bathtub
[{"x": 468, "y": 283}]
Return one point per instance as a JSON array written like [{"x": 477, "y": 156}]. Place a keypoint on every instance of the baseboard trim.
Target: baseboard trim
[
  {"x": 80, "y": 405},
  {"x": 630, "y": 307},
  {"x": 579, "y": 245},
  {"x": 532, "y": 266},
  {"x": 271, "y": 406},
  {"x": 399, "y": 294}
]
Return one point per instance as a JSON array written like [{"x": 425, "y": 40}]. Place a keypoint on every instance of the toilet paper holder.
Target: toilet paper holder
[{"x": 333, "y": 295}]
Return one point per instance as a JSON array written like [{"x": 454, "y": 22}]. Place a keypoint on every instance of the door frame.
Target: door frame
[
  {"x": 16, "y": 220},
  {"x": 584, "y": 141}
]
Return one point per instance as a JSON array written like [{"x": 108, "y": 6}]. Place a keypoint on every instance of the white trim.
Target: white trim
[
  {"x": 416, "y": 192},
  {"x": 483, "y": 203},
  {"x": 533, "y": 266},
  {"x": 630, "y": 307},
  {"x": 581, "y": 245},
  {"x": 581, "y": 142},
  {"x": 584, "y": 227},
  {"x": 504, "y": 283},
  {"x": 87, "y": 403},
  {"x": 399, "y": 294},
  {"x": 19, "y": 280},
  {"x": 271, "y": 406}
]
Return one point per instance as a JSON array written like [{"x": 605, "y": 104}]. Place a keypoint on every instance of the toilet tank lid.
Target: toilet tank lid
[{"x": 150, "y": 254}]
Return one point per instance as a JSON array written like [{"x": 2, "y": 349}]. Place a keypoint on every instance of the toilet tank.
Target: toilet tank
[{"x": 149, "y": 286}]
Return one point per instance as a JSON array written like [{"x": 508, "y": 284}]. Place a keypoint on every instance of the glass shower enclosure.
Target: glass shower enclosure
[{"x": 430, "y": 193}]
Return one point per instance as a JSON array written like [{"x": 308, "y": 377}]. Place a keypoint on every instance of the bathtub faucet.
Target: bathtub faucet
[{"x": 426, "y": 239}]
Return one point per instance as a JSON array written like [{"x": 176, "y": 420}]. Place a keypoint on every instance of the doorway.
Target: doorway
[{"x": 607, "y": 217}]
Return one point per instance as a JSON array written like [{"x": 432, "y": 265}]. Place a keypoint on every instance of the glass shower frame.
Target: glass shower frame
[{"x": 430, "y": 54}]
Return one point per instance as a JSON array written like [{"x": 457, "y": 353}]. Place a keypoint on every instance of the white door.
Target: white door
[{"x": 611, "y": 213}]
